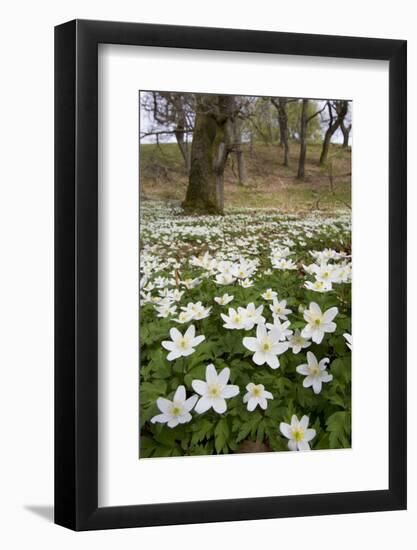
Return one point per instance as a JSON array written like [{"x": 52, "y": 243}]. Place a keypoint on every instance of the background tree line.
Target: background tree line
[{"x": 210, "y": 129}]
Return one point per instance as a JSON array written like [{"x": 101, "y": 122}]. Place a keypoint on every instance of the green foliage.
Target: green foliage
[{"x": 231, "y": 432}]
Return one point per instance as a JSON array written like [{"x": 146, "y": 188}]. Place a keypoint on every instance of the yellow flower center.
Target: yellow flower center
[
  {"x": 314, "y": 371},
  {"x": 237, "y": 318},
  {"x": 298, "y": 434},
  {"x": 183, "y": 343},
  {"x": 317, "y": 322},
  {"x": 175, "y": 411},
  {"x": 256, "y": 391},
  {"x": 266, "y": 346},
  {"x": 214, "y": 390}
]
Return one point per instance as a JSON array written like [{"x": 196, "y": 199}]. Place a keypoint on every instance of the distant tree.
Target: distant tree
[
  {"x": 337, "y": 111},
  {"x": 172, "y": 113},
  {"x": 280, "y": 104},
  {"x": 305, "y": 119},
  {"x": 303, "y": 139}
]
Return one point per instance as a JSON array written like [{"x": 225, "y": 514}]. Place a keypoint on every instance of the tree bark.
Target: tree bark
[
  {"x": 209, "y": 150},
  {"x": 303, "y": 140},
  {"x": 237, "y": 148}
]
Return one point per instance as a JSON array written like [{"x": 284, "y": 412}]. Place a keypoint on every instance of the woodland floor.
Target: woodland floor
[{"x": 269, "y": 183}]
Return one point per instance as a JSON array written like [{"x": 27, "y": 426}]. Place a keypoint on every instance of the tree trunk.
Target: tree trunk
[
  {"x": 183, "y": 146},
  {"x": 334, "y": 123},
  {"x": 283, "y": 128},
  {"x": 209, "y": 150},
  {"x": 303, "y": 140},
  {"x": 346, "y": 132},
  {"x": 237, "y": 148}
]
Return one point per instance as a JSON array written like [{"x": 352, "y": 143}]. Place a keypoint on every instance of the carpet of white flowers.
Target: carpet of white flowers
[{"x": 245, "y": 331}]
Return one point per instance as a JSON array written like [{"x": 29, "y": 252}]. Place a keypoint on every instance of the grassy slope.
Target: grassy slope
[{"x": 269, "y": 185}]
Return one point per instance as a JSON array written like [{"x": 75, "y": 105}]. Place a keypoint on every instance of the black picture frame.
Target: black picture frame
[{"x": 76, "y": 272}]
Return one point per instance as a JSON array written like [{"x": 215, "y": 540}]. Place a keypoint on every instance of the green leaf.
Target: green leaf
[
  {"x": 338, "y": 427},
  {"x": 221, "y": 434}
]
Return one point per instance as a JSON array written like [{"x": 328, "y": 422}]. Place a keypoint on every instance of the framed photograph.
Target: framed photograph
[{"x": 230, "y": 247}]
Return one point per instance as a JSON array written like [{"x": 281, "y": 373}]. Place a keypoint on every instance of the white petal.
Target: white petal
[
  {"x": 304, "y": 422},
  {"x": 184, "y": 418},
  {"x": 199, "y": 386},
  {"x": 311, "y": 358},
  {"x": 211, "y": 374},
  {"x": 230, "y": 391},
  {"x": 329, "y": 327},
  {"x": 285, "y": 429},
  {"x": 259, "y": 358},
  {"x": 268, "y": 395},
  {"x": 292, "y": 445},
  {"x": 303, "y": 446},
  {"x": 173, "y": 422},
  {"x": 317, "y": 336},
  {"x": 303, "y": 369},
  {"x": 223, "y": 376},
  {"x": 203, "y": 405},
  {"x": 179, "y": 394},
  {"x": 316, "y": 386},
  {"x": 308, "y": 381},
  {"x": 260, "y": 332},
  {"x": 163, "y": 404},
  {"x": 190, "y": 403},
  {"x": 315, "y": 308},
  {"x": 250, "y": 343},
  {"x": 197, "y": 340},
  {"x": 219, "y": 405},
  {"x": 174, "y": 354},
  {"x": 160, "y": 418},
  {"x": 252, "y": 404},
  {"x": 272, "y": 361},
  {"x": 262, "y": 402},
  {"x": 167, "y": 344},
  {"x": 330, "y": 314},
  {"x": 175, "y": 334},
  {"x": 190, "y": 332},
  {"x": 309, "y": 434}
]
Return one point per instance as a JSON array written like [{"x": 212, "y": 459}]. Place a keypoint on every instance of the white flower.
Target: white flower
[
  {"x": 318, "y": 286},
  {"x": 176, "y": 411},
  {"x": 214, "y": 391},
  {"x": 197, "y": 310},
  {"x": 266, "y": 347},
  {"x": 280, "y": 330},
  {"x": 191, "y": 283},
  {"x": 165, "y": 310},
  {"x": 298, "y": 433},
  {"x": 269, "y": 294},
  {"x": 297, "y": 342},
  {"x": 257, "y": 395},
  {"x": 236, "y": 319},
  {"x": 246, "y": 283},
  {"x": 283, "y": 263},
  {"x": 325, "y": 272},
  {"x": 318, "y": 323},
  {"x": 252, "y": 315},
  {"x": 279, "y": 309},
  {"x": 184, "y": 317},
  {"x": 348, "y": 338},
  {"x": 315, "y": 373},
  {"x": 224, "y": 279},
  {"x": 182, "y": 346},
  {"x": 224, "y": 300}
]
